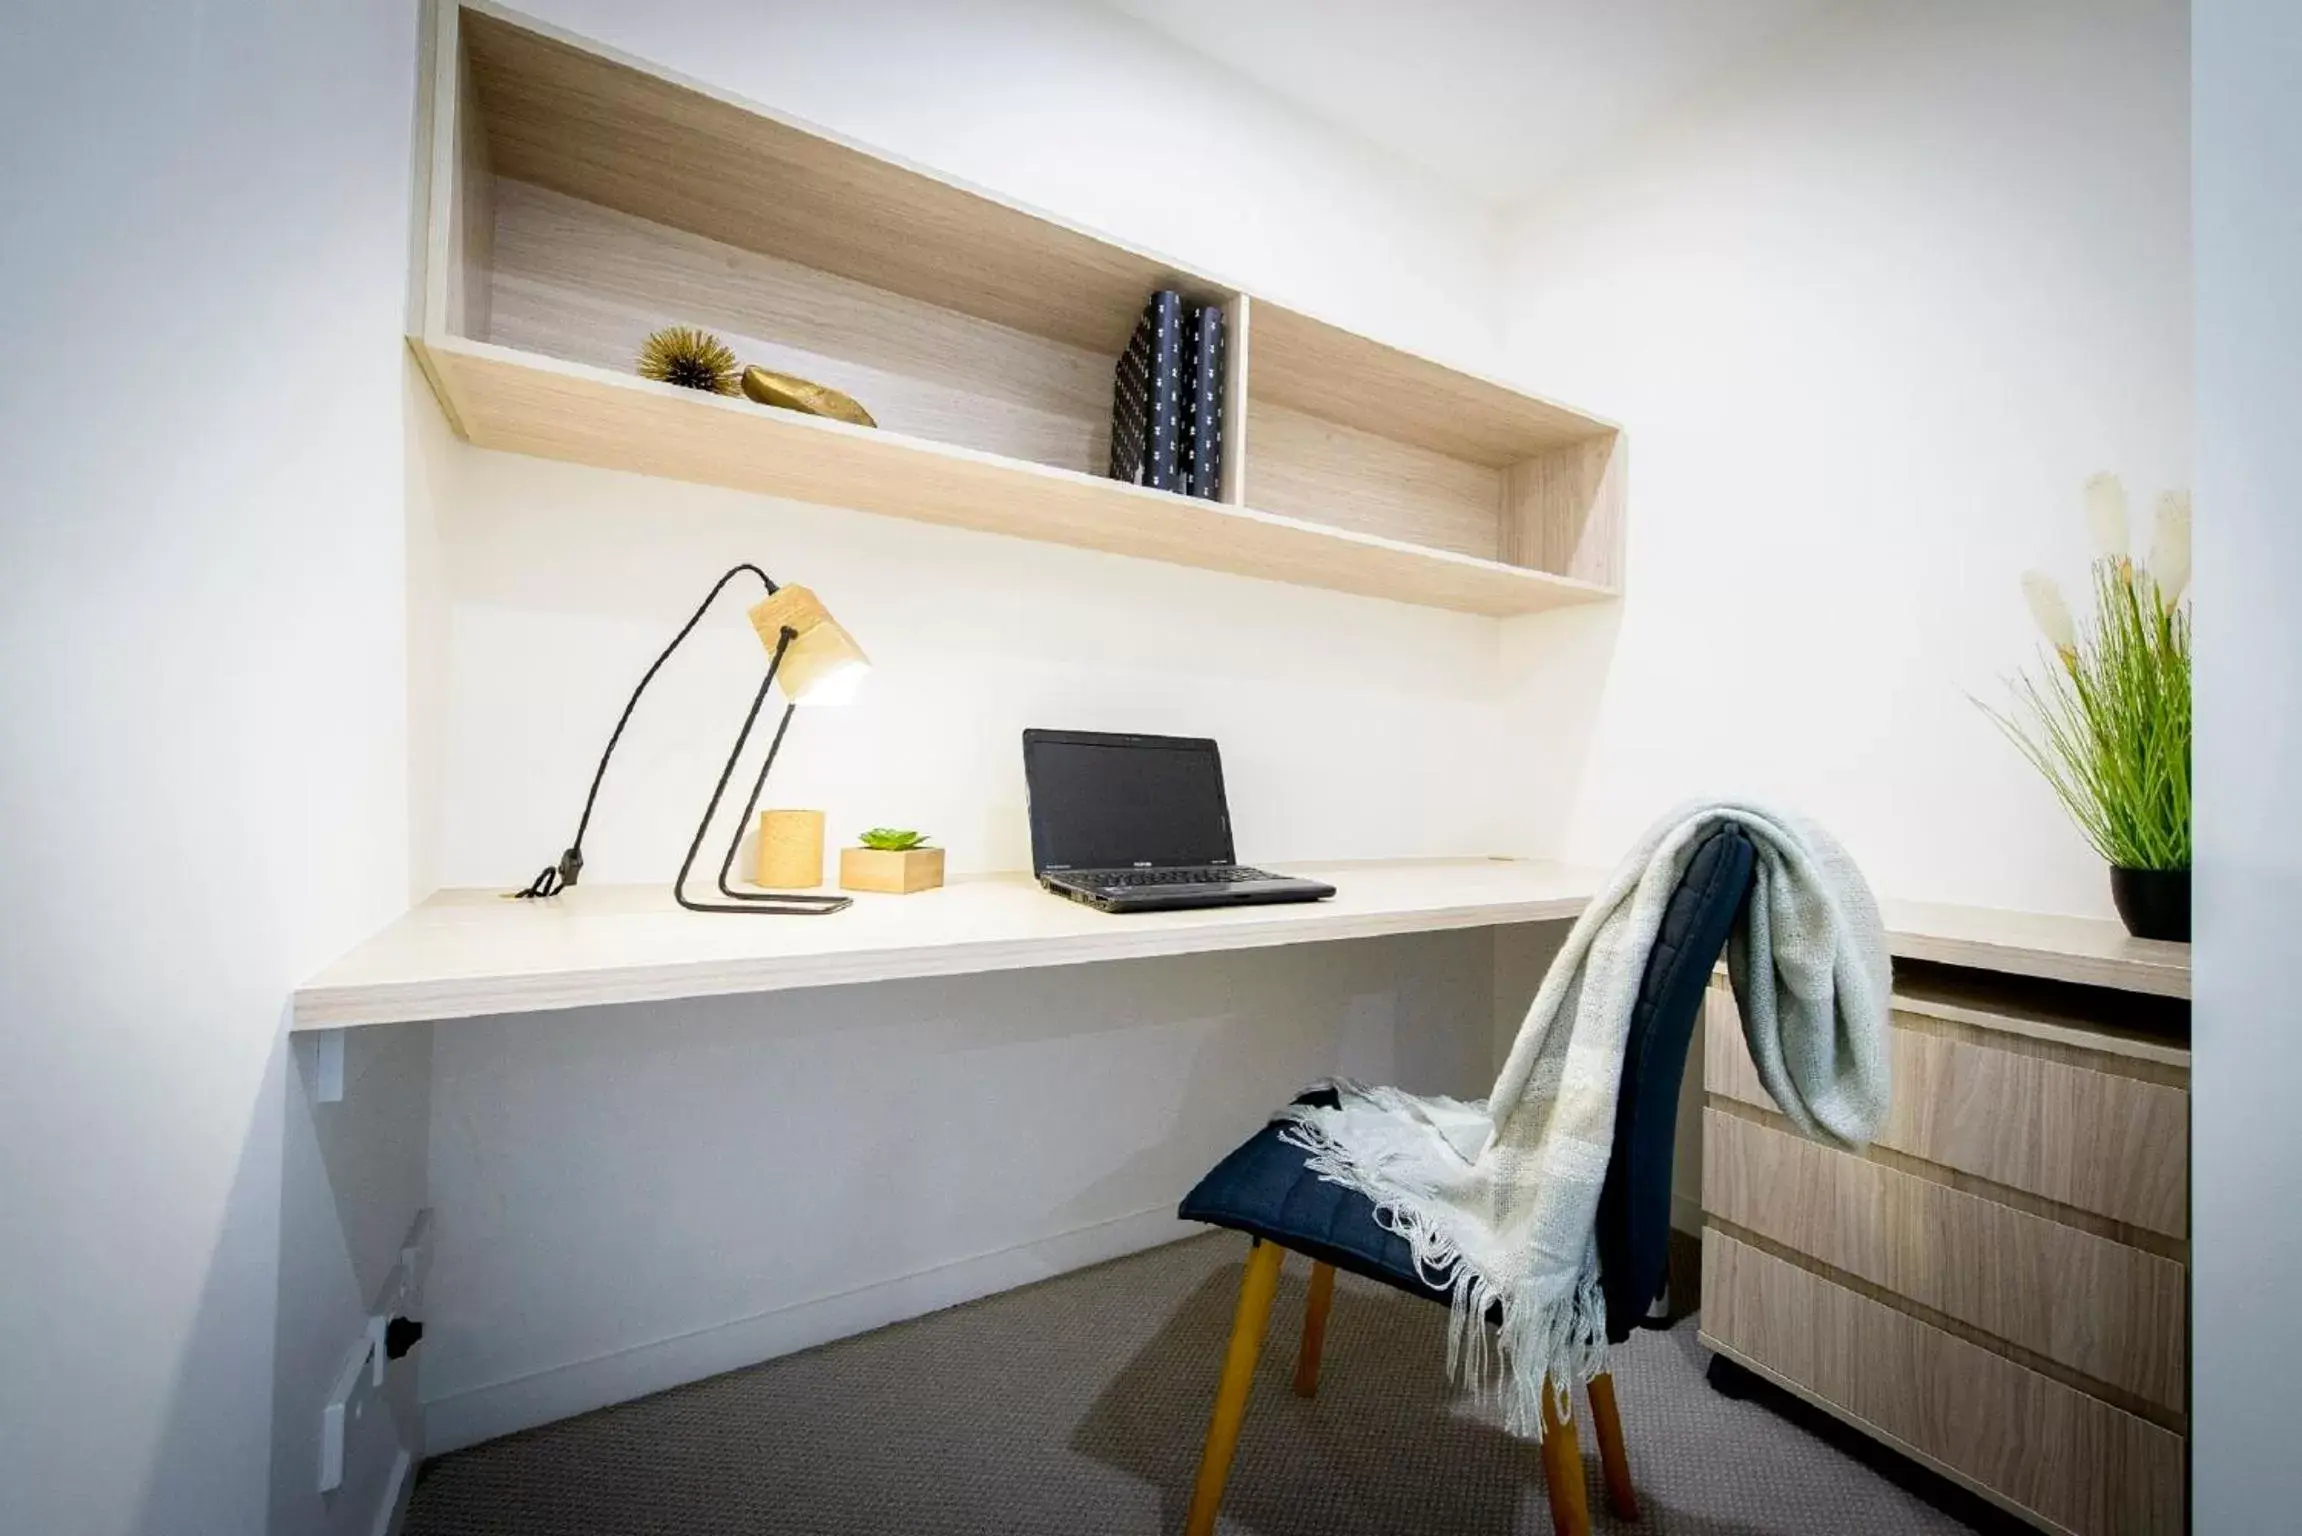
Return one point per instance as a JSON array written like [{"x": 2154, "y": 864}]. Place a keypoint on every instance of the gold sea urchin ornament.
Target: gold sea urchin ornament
[
  {"x": 793, "y": 393},
  {"x": 692, "y": 359}
]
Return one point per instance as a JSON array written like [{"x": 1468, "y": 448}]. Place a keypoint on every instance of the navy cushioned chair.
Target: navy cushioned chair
[{"x": 1264, "y": 1190}]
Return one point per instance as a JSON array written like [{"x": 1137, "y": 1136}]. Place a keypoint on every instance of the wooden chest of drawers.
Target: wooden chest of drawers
[{"x": 1998, "y": 1286}]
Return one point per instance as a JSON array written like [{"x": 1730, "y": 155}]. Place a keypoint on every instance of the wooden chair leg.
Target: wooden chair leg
[
  {"x": 1563, "y": 1470},
  {"x": 1314, "y": 1329},
  {"x": 1238, "y": 1376},
  {"x": 1613, "y": 1458}
]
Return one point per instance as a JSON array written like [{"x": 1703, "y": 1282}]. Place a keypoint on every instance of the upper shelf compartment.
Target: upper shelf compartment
[{"x": 580, "y": 200}]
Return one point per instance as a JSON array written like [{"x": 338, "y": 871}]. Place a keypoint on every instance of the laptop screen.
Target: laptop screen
[{"x": 1113, "y": 802}]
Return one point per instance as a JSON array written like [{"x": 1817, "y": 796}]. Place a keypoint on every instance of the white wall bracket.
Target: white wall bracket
[
  {"x": 328, "y": 1066},
  {"x": 347, "y": 1403}
]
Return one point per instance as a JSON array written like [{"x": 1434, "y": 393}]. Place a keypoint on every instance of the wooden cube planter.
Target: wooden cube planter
[{"x": 897, "y": 873}]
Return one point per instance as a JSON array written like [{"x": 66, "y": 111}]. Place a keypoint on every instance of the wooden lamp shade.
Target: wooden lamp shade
[{"x": 822, "y": 664}]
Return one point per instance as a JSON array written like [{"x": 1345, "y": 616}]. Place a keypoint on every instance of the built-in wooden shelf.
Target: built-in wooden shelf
[{"x": 579, "y": 200}]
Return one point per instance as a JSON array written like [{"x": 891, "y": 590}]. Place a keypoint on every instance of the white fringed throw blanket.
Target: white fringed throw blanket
[{"x": 1499, "y": 1199}]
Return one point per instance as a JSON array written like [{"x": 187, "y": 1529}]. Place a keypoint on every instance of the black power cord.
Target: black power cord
[{"x": 558, "y": 877}]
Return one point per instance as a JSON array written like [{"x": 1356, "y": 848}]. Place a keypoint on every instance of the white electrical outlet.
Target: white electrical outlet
[
  {"x": 362, "y": 1374},
  {"x": 401, "y": 1294}
]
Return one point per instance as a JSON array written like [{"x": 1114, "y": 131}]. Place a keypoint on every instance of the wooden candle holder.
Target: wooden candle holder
[{"x": 790, "y": 850}]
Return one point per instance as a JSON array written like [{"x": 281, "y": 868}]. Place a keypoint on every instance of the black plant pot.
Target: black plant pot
[{"x": 2154, "y": 902}]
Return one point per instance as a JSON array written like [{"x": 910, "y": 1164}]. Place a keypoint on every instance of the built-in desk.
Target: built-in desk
[
  {"x": 1997, "y": 1287},
  {"x": 468, "y": 953}
]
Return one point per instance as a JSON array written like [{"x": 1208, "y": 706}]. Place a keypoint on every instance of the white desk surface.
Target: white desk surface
[
  {"x": 468, "y": 953},
  {"x": 465, "y": 954}
]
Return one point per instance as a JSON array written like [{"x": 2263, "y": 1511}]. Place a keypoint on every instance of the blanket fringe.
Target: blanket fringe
[{"x": 1552, "y": 1342}]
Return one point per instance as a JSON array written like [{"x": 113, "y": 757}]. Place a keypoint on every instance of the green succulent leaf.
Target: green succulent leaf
[{"x": 893, "y": 839}]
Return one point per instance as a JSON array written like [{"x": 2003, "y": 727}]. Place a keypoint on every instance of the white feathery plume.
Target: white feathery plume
[
  {"x": 2106, "y": 515},
  {"x": 2170, "y": 547},
  {"x": 2051, "y": 612}
]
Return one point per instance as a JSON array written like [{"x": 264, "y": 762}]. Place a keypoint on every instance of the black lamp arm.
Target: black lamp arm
[
  {"x": 558, "y": 877},
  {"x": 758, "y": 786},
  {"x": 784, "y": 903}
]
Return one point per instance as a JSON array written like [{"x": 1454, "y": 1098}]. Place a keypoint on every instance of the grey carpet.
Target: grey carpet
[{"x": 1077, "y": 1405}]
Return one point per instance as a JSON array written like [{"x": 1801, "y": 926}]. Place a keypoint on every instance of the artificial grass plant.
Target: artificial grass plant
[{"x": 2107, "y": 719}]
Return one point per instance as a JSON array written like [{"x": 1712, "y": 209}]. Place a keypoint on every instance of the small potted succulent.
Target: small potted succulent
[
  {"x": 2108, "y": 721},
  {"x": 891, "y": 859}
]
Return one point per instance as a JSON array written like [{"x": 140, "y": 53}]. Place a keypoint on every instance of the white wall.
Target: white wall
[
  {"x": 1350, "y": 728},
  {"x": 1993, "y": 201},
  {"x": 206, "y": 608},
  {"x": 2246, "y": 1159},
  {"x": 203, "y": 234},
  {"x": 631, "y": 1197},
  {"x": 353, "y": 1173},
  {"x": 1872, "y": 309},
  {"x": 1348, "y": 725}
]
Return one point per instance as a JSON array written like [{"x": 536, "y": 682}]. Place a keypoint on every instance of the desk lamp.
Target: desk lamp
[{"x": 817, "y": 662}]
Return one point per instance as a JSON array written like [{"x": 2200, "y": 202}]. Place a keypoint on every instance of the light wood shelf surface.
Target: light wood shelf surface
[
  {"x": 1323, "y": 370},
  {"x": 579, "y": 198},
  {"x": 2088, "y": 951},
  {"x": 525, "y": 403},
  {"x": 570, "y": 114},
  {"x": 471, "y": 953}
]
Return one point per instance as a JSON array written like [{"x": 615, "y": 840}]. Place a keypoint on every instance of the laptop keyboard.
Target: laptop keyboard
[{"x": 1213, "y": 874}]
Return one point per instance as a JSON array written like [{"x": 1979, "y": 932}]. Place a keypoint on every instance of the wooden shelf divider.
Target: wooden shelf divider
[{"x": 579, "y": 199}]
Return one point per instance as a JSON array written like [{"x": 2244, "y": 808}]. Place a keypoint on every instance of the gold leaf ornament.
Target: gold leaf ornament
[{"x": 792, "y": 393}]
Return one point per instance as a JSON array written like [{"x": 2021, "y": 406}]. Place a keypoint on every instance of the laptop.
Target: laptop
[{"x": 1139, "y": 824}]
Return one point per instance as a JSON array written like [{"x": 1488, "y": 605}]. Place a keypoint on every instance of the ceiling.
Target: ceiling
[{"x": 1494, "y": 96}]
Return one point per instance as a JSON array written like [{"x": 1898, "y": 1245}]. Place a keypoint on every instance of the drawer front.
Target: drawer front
[
  {"x": 2112, "y": 1145},
  {"x": 2071, "y": 1459},
  {"x": 2105, "y": 1310}
]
